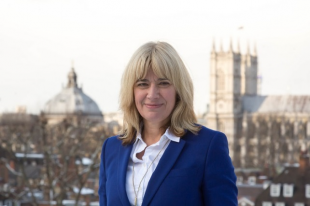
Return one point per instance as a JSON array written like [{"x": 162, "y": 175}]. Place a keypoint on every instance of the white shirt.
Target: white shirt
[{"x": 142, "y": 165}]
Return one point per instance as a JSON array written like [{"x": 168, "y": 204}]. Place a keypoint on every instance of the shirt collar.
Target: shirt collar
[{"x": 168, "y": 134}]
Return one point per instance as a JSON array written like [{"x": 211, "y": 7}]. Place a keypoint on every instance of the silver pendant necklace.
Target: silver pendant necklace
[{"x": 133, "y": 174}]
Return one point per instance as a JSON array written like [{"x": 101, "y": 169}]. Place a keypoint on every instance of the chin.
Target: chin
[{"x": 155, "y": 119}]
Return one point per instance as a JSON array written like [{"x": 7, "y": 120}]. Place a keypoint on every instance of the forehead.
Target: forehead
[
  {"x": 150, "y": 75},
  {"x": 157, "y": 63}
]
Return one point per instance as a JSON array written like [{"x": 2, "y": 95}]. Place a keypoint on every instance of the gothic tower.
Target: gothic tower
[
  {"x": 249, "y": 73},
  {"x": 232, "y": 75}
]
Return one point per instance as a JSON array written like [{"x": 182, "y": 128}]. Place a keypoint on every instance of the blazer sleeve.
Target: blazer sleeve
[
  {"x": 102, "y": 177},
  {"x": 219, "y": 182}
]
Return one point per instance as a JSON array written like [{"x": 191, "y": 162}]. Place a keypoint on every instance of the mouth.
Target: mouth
[{"x": 153, "y": 106}]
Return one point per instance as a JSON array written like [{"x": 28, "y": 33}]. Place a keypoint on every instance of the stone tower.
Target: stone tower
[{"x": 232, "y": 75}]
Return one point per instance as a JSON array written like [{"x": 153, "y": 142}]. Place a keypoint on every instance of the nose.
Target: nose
[{"x": 153, "y": 91}]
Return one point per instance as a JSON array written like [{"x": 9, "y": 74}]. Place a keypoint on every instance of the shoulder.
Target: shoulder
[
  {"x": 112, "y": 142},
  {"x": 111, "y": 147},
  {"x": 205, "y": 134},
  {"x": 206, "y": 137},
  {"x": 207, "y": 131},
  {"x": 114, "y": 139}
]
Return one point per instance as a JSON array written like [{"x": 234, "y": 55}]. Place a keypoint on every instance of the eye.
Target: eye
[
  {"x": 164, "y": 83},
  {"x": 142, "y": 84}
]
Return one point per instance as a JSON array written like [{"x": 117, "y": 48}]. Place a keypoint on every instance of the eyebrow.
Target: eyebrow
[
  {"x": 142, "y": 80},
  {"x": 146, "y": 80}
]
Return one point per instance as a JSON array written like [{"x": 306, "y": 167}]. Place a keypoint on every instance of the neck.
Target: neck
[{"x": 152, "y": 133}]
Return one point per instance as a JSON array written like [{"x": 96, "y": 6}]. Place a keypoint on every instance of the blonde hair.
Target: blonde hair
[{"x": 165, "y": 62}]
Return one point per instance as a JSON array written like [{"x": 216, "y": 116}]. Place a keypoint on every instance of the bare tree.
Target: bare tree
[{"x": 56, "y": 161}]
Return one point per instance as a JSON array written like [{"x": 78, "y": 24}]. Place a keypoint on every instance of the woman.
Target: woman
[{"x": 163, "y": 157}]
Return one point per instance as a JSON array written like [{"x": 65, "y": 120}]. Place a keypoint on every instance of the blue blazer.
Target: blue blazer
[{"x": 195, "y": 171}]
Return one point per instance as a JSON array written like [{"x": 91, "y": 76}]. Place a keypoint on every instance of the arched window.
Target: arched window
[
  {"x": 251, "y": 129},
  {"x": 302, "y": 133},
  {"x": 289, "y": 130},
  {"x": 220, "y": 80},
  {"x": 275, "y": 131}
]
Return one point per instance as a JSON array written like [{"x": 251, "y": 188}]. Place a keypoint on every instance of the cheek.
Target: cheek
[
  {"x": 174, "y": 102},
  {"x": 136, "y": 102},
  {"x": 137, "y": 99},
  {"x": 172, "y": 98}
]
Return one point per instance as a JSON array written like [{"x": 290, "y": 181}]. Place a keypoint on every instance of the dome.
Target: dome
[{"x": 72, "y": 101}]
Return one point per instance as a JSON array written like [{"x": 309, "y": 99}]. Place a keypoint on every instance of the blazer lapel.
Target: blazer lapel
[
  {"x": 164, "y": 166},
  {"x": 123, "y": 157}
]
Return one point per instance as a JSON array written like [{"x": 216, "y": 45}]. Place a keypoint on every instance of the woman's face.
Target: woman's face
[{"x": 154, "y": 98}]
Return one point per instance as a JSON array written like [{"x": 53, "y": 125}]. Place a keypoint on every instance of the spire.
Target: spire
[
  {"x": 231, "y": 46},
  {"x": 248, "y": 49},
  {"x": 255, "y": 52},
  {"x": 72, "y": 78},
  {"x": 213, "y": 46},
  {"x": 221, "y": 46},
  {"x": 238, "y": 46}
]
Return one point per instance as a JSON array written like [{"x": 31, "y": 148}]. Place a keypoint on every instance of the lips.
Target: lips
[{"x": 153, "y": 106}]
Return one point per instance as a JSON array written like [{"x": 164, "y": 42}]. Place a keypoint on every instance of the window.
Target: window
[
  {"x": 288, "y": 190},
  {"x": 267, "y": 204},
  {"x": 307, "y": 191},
  {"x": 220, "y": 80},
  {"x": 252, "y": 180},
  {"x": 275, "y": 190},
  {"x": 33, "y": 163},
  {"x": 8, "y": 202},
  {"x": 280, "y": 204},
  {"x": 239, "y": 179},
  {"x": 299, "y": 204}
]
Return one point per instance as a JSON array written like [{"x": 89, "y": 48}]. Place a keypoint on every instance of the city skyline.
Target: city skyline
[{"x": 39, "y": 40}]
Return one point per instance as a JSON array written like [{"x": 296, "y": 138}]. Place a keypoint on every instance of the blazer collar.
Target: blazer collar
[{"x": 164, "y": 166}]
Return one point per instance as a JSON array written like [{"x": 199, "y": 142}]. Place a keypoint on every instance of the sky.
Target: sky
[{"x": 39, "y": 40}]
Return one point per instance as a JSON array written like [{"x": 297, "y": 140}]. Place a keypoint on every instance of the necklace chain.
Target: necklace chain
[{"x": 133, "y": 174}]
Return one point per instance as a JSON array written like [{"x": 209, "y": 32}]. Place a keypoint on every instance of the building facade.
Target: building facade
[
  {"x": 261, "y": 130},
  {"x": 290, "y": 188}
]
